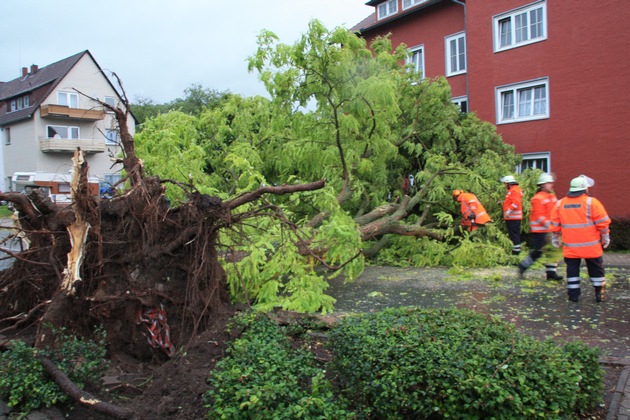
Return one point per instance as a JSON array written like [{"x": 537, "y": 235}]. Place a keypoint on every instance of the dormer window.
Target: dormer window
[
  {"x": 19, "y": 103},
  {"x": 387, "y": 8},
  {"x": 68, "y": 99},
  {"x": 410, "y": 3}
]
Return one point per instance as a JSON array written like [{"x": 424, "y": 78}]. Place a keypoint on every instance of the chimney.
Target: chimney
[
  {"x": 24, "y": 71},
  {"x": 34, "y": 68}
]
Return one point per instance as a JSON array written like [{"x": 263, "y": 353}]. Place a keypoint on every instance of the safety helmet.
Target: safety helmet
[
  {"x": 581, "y": 183},
  {"x": 544, "y": 178},
  {"x": 508, "y": 179},
  {"x": 456, "y": 193}
]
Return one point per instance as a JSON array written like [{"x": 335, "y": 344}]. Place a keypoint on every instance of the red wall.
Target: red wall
[{"x": 585, "y": 59}]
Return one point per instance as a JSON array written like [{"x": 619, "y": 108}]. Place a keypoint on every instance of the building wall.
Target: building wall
[
  {"x": 25, "y": 155},
  {"x": 584, "y": 59},
  {"x": 583, "y": 56},
  {"x": 429, "y": 30}
]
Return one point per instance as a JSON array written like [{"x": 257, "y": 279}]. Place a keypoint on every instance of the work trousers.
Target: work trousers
[
  {"x": 596, "y": 272},
  {"x": 514, "y": 232}
]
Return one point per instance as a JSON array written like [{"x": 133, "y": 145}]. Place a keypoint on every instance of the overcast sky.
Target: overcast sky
[{"x": 157, "y": 47}]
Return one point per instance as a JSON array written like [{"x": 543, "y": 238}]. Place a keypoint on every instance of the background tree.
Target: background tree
[{"x": 361, "y": 120}]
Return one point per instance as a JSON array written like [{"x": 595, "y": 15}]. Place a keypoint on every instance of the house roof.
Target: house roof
[
  {"x": 41, "y": 80},
  {"x": 371, "y": 22},
  {"x": 39, "y": 84}
]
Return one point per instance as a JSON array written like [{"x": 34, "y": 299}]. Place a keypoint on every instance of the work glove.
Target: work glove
[
  {"x": 605, "y": 240},
  {"x": 555, "y": 240},
  {"x": 472, "y": 216}
]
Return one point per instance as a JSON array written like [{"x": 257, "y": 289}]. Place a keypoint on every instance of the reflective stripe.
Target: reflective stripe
[
  {"x": 598, "y": 281},
  {"x": 578, "y": 225},
  {"x": 536, "y": 228},
  {"x": 605, "y": 219},
  {"x": 481, "y": 214},
  {"x": 581, "y": 244}
]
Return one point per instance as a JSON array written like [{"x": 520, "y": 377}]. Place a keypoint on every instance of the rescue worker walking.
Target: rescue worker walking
[
  {"x": 513, "y": 211},
  {"x": 473, "y": 212},
  {"x": 539, "y": 222},
  {"x": 584, "y": 224}
]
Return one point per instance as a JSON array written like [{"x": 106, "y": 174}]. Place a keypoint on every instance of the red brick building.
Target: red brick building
[{"x": 552, "y": 75}]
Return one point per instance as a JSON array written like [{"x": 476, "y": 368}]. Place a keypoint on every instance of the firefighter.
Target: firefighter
[
  {"x": 584, "y": 224},
  {"x": 473, "y": 212},
  {"x": 513, "y": 211},
  {"x": 539, "y": 220}
]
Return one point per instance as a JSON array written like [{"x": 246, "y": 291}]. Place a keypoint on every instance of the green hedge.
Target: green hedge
[
  {"x": 620, "y": 234},
  {"x": 418, "y": 363}
]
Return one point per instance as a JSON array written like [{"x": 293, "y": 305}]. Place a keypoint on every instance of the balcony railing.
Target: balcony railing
[
  {"x": 65, "y": 112},
  {"x": 70, "y": 145}
]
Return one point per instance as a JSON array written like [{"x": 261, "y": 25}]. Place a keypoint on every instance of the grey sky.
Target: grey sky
[{"x": 158, "y": 48}]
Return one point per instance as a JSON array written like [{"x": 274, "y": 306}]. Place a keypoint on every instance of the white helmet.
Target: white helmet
[
  {"x": 581, "y": 183},
  {"x": 544, "y": 178},
  {"x": 508, "y": 179}
]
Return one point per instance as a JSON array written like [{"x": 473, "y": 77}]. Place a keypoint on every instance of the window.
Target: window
[
  {"x": 62, "y": 132},
  {"x": 19, "y": 103},
  {"x": 416, "y": 60},
  {"x": 520, "y": 27},
  {"x": 462, "y": 103},
  {"x": 522, "y": 102},
  {"x": 409, "y": 3},
  {"x": 455, "y": 54},
  {"x": 68, "y": 99},
  {"x": 111, "y": 137},
  {"x": 7, "y": 136},
  {"x": 387, "y": 8},
  {"x": 534, "y": 161},
  {"x": 110, "y": 100}
]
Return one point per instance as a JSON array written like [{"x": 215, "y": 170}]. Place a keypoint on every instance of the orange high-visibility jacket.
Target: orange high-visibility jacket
[
  {"x": 470, "y": 204},
  {"x": 513, "y": 203},
  {"x": 539, "y": 216},
  {"x": 581, "y": 220}
]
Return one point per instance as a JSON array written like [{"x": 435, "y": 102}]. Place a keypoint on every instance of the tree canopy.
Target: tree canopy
[{"x": 360, "y": 119}]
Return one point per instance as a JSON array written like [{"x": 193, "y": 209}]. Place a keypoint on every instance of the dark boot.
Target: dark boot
[
  {"x": 599, "y": 293},
  {"x": 553, "y": 275},
  {"x": 574, "y": 295},
  {"x": 521, "y": 270}
]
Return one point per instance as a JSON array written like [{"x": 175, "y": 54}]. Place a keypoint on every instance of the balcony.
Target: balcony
[
  {"x": 70, "y": 145},
  {"x": 66, "y": 113}
]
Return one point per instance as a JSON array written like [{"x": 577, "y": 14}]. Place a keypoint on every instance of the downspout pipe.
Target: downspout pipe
[{"x": 466, "y": 32}]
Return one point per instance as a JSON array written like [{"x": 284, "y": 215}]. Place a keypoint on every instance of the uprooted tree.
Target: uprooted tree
[{"x": 231, "y": 205}]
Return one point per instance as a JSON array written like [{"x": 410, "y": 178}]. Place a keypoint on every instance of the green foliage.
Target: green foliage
[
  {"x": 263, "y": 377},
  {"x": 24, "y": 384},
  {"x": 619, "y": 234},
  {"x": 418, "y": 363},
  {"x": 354, "y": 116}
]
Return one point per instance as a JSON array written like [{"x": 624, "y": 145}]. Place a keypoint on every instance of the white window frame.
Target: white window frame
[
  {"x": 387, "y": 8},
  {"x": 417, "y": 51},
  {"x": 459, "y": 101},
  {"x": 512, "y": 18},
  {"x": 110, "y": 100},
  {"x": 406, "y": 4},
  {"x": 524, "y": 100},
  {"x": 453, "y": 46},
  {"x": 70, "y": 132},
  {"x": 7, "y": 136},
  {"x": 111, "y": 137},
  {"x": 68, "y": 99},
  {"x": 534, "y": 157},
  {"x": 13, "y": 105}
]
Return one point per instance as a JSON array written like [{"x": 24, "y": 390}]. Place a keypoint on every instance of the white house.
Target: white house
[{"x": 47, "y": 112}]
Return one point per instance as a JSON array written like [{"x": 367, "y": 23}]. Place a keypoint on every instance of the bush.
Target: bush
[
  {"x": 620, "y": 234},
  {"x": 410, "y": 362},
  {"x": 263, "y": 377},
  {"x": 25, "y": 385}
]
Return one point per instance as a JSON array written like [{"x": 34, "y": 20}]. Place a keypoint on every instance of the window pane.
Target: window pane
[
  {"x": 520, "y": 27},
  {"x": 74, "y": 131},
  {"x": 536, "y": 26},
  {"x": 74, "y": 100},
  {"x": 505, "y": 29},
  {"x": 57, "y": 132},
  {"x": 462, "y": 53},
  {"x": 452, "y": 46},
  {"x": 507, "y": 99},
  {"x": 524, "y": 102},
  {"x": 540, "y": 100},
  {"x": 62, "y": 98}
]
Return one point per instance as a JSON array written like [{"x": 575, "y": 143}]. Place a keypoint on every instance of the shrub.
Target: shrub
[
  {"x": 25, "y": 385},
  {"x": 410, "y": 362},
  {"x": 620, "y": 234},
  {"x": 263, "y": 377}
]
